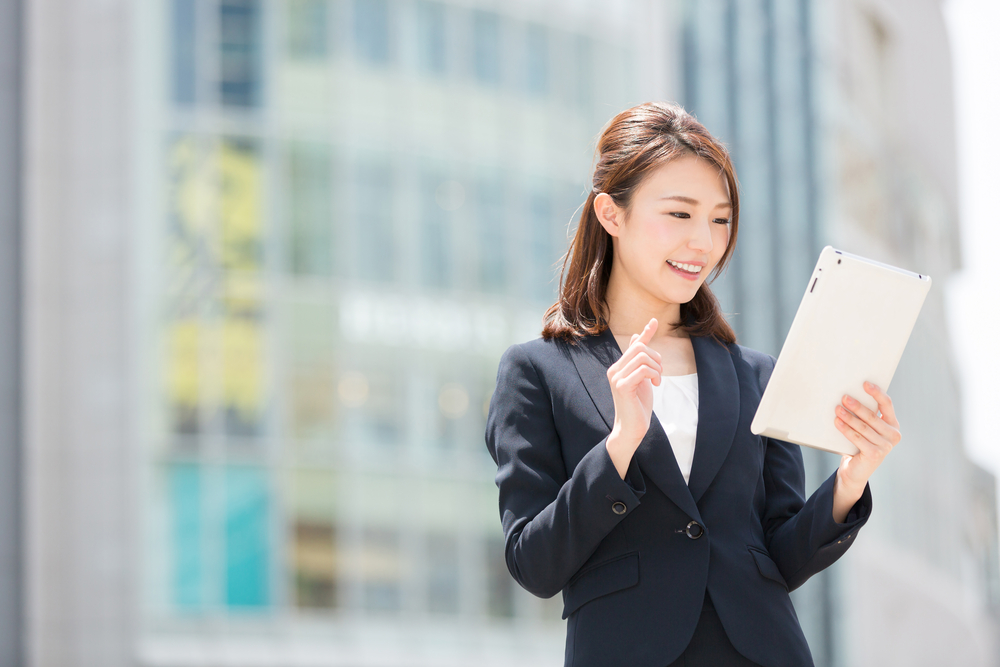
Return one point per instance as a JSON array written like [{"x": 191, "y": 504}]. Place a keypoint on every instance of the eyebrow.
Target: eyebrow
[{"x": 692, "y": 201}]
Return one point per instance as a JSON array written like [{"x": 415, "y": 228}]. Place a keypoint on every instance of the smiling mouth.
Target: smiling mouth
[{"x": 693, "y": 269}]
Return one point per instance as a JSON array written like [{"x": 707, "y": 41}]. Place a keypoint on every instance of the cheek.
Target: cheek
[{"x": 720, "y": 239}]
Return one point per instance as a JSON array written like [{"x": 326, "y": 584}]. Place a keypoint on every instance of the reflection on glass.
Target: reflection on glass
[
  {"x": 431, "y": 37},
  {"x": 537, "y": 60},
  {"x": 442, "y": 573},
  {"x": 583, "y": 60},
  {"x": 381, "y": 568},
  {"x": 314, "y": 560},
  {"x": 242, "y": 343},
  {"x": 183, "y": 375},
  {"x": 239, "y": 203},
  {"x": 183, "y": 51},
  {"x": 373, "y": 409},
  {"x": 371, "y": 30},
  {"x": 489, "y": 214},
  {"x": 486, "y": 47},
  {"x": 188, "y": 576},
  {"x": 309, "y": 330},
  {"x": 239, "y": 53},
  {"x": 193, "y": 208},
  {"x": 435, "y": 238},
  {"x": 377, "y": 251},
  {"x": 310, "y": 211},
  {"x": 307, "y": 29},
  {"x": 499, "y": 583},
  {"x": 247, "y": 553},
  {"x": 543, "y": 253}
]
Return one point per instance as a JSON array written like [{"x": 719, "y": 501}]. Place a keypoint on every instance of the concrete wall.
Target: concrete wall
[{"x": 77, "y": 456}]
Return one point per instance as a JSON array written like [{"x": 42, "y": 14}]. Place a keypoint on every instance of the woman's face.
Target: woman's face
[{"x": 675, "y": 231}]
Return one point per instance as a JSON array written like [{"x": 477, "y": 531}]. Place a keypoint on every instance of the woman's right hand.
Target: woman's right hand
[{"x": 632, "y": 378}]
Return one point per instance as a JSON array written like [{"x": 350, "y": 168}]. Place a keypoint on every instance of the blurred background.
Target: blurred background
[{"x": 259, "y": 260}]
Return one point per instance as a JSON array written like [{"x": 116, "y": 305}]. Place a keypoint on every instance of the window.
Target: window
[
  {"x": 240, "y": 53},
  {"x": 489, "y": 213},
  {"x": 381, "y": 568},
  {"x": 247, "y": 547},
  {"x": 314, "y": 554},
  {"x": 542, "y": 256},
  {"x": 442, "y": 573},
  {"x": 499, "y": 583},
  {"x": 536, "y": 55},
  {"x": 184, "y": 51},
  {"x": 307, "y": 29},
  {"x": 431, "y": 37},
  {"x": 371, "y": 30},
  {"x": 438, "y": 197},
  {"x": 310, "y": 214},
  {"x": 311, "y": 395},
  {"x": 187, "y": 536},
  {"x": 373, "y": 406},
  {"x": 486, "y": 47},
  {"x": 376, "y": 241}
]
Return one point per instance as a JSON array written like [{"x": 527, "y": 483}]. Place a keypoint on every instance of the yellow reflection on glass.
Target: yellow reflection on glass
[{"x": 182, "y": 374}]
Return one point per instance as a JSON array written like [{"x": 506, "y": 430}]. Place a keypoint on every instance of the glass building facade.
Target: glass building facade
[
  {"x": 363, "y": 203},
  {"x": 269, "y": 252}
]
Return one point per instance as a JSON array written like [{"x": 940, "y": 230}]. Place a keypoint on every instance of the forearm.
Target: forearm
[{"x": 546, "y": 550}]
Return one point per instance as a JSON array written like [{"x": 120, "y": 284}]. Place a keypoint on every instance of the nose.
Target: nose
[{"x": 701, "y": 237}]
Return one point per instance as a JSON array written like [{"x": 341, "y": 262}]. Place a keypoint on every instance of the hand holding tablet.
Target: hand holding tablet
[{"x": 851, "y": 328}]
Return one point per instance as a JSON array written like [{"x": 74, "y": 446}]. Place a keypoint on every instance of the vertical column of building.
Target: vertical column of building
[
  {"x": 77, "y": 456},
  {"x": 10, "y": 335}
]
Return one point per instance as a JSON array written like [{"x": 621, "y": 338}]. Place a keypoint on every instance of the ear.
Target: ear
[{"x": 608, "y": 213}]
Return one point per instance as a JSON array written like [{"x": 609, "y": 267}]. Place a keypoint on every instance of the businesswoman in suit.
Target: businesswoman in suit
[{"x": 628, "y": 475}]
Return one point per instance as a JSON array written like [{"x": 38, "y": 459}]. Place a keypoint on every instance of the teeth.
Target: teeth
[{"x": 690, "y": 268}]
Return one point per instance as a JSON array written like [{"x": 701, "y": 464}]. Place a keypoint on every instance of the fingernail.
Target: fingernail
[{"x": 849, "y": 400}]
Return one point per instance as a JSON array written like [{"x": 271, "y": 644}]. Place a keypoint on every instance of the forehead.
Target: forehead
[{"x": 688, "y": 176}]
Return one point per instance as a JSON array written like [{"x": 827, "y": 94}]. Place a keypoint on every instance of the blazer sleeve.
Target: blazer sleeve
[
  {"x": 552, "y": 521},
  {"x": 801, "y": 535}
]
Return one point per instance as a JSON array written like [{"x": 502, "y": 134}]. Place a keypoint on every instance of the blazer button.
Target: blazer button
[
  {"x": 619, "y": 507},
  {"x": 694, "y": 530}
]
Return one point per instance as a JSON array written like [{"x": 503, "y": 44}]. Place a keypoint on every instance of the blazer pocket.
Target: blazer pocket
[
  {"x": 600, "y": 579},
  {"x": 766, "y": 566}
]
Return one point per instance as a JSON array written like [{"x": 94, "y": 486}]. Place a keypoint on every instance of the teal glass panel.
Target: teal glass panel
[
  {"x": 247, "y": 544},
  {"x": 185, "y": 492}
]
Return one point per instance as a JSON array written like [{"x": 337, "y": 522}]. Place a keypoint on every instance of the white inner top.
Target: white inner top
[{"x": 675, "y": 403}]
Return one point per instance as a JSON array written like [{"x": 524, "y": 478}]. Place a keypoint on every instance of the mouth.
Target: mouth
[{"x": 689, "y": 271}]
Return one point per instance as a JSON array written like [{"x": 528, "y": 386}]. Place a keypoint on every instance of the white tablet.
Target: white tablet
[{"x": 852, "y": 326}]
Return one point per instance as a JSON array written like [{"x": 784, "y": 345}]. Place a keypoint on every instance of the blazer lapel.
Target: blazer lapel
[
  {"x": 592, "y": 356},
  {"x": 718, "y": 411}
]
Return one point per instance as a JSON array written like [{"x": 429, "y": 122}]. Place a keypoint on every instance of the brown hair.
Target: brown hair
[{"x": 634, "y": 143}]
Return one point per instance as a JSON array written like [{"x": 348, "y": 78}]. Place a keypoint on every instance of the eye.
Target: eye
[
  {"x": 680, "y": 214},
  {"x": 722, "y": 221}
]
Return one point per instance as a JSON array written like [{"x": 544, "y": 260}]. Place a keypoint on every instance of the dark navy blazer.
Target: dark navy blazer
[{"x": 633, "y": 574}]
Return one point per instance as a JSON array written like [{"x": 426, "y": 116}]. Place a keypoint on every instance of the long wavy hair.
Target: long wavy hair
[{"x": 636, "y": 142}]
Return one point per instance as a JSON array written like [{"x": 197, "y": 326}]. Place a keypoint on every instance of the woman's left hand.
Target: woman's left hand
[{"x": 873, "y": 434}]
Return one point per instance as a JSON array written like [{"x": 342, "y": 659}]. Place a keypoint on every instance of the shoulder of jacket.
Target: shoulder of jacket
[
  {"x": 760, "y": 363},
  {"x": 536, "y": 352}
]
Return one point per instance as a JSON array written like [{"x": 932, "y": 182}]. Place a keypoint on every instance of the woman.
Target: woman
[{"x": 629, "y": 479}]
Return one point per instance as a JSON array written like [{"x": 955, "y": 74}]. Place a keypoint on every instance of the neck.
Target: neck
[{"x": 630, "y": 309}]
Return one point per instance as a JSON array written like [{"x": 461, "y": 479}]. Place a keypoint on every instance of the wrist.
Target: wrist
[
  {"x": 848, "y": 488},
  {"x": 620, "y": 449}
]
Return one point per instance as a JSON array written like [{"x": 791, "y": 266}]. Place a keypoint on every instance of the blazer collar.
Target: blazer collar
[{"x": 718, "y": 415}]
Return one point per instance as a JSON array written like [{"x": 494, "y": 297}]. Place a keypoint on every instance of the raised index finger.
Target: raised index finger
[{"x": 648, "y": 331}]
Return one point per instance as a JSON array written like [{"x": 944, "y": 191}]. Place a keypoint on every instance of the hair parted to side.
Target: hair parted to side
[{"x": 634, "y": 143}]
